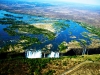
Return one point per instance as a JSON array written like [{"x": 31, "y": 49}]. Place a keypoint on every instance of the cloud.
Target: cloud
[{"x": 95, "y": 2}]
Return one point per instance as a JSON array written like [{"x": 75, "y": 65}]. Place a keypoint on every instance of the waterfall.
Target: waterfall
[
  {"x": 84, "y": 51},
  {"x": 84, "y": 48},
  {"x": 33, "y": 54},
  {"x": 54, "y": 55},
  {"x": 38, "y": 54}
]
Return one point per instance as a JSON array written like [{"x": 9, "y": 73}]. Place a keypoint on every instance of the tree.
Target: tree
[
  {"x": 47, "y": 49},
  {"x": 84, "y": 46},
  {"x": 63, "y": 46}
]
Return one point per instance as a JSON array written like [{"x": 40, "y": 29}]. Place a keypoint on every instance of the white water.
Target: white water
[
  {"x": 33, "y": 54},
  {"x": 54, "y": 55},
  {"x": 38, "y": 54}
]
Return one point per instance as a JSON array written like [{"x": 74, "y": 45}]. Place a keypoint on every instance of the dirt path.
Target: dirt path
[{"x": 77, "y": 66}]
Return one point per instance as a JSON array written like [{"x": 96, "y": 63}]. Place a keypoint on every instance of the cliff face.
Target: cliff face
[{"x": 79, "y": 51}]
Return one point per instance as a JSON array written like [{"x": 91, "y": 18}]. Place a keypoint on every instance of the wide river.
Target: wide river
[{"x": 73, "y": 32}]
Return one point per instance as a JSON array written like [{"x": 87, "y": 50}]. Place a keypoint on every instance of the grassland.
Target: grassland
[
  {"x": 92, "y": 68},
  {"x": 11, "y": 63},
  {"x": 47, "y": 26},
  {"x": 93, "y": 29}
]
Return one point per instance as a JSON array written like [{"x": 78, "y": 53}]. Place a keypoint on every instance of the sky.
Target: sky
[
  {"x": 83, "y": 1},
  {"x": 93, "y": 2}
]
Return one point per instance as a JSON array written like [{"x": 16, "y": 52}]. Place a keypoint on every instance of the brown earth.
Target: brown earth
[
  {"x": 57, "y": 11},
  {"x": 87, "y": 69},
  {"x": 13, "y": 67}
]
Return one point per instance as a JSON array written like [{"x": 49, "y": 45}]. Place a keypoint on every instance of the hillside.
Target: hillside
[{"x": 19, "y": 65}]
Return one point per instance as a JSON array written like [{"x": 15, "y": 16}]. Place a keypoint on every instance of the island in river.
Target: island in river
[{"x": 23, "y": 32}]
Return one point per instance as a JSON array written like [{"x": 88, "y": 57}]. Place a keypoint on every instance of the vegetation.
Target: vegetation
[
  {"x": 33, "y": 30},
  {"x": 74, "y": 44},
  {"x": 95, "y": 44},
  {"x": 18, "y": 27},
  {"x": 12, "y": 48},
  {"x": 46, "y": 49},
  {"x": 10, "y": 32},
  {"x": 29, "y": 39},
  {"x": 22, "y": 26},
  {"x": 8, "y": 15},
  {"x": 50, "y": 72},
  {"x": 21, "y": 45},
  {"x": 63, "y": 46},
  {"x": 67, "y": 62},
  {"x": 12, "y": 61},
  {"x": 12, "y": 21},
  {"x": 92, "y": 29},
  {"x": 60, "y": 25},
  {"x": 15, "y": 26},
  {"x": 84, "y": 42},
  {"x": 16, "y": 63},
  {"x": 87, "y": 69}
]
